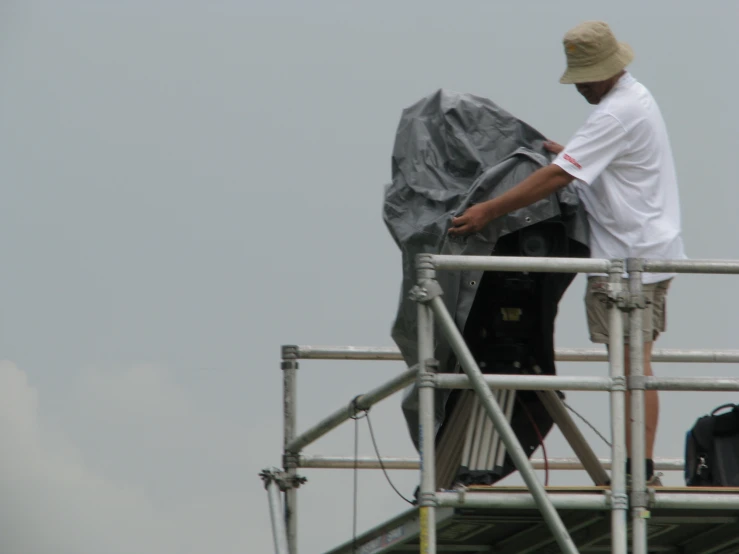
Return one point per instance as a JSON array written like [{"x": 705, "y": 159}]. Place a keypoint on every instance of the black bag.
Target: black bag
[{"x": 712, "y": 450}]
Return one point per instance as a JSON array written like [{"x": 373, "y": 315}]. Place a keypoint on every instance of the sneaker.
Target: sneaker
[{"x": 653, "y": 481}]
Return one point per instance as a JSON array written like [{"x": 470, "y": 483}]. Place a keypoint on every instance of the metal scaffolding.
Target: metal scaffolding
[{"x": 629, "y": 508}]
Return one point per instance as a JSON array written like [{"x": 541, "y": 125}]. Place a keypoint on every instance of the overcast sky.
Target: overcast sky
[{"x": 188, "y": 185}]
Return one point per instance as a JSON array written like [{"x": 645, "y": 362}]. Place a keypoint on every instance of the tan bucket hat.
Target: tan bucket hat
[{"x": 593, "y": 53}]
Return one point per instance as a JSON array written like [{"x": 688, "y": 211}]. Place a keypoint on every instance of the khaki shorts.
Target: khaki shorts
[{"x": 654, "y": 321}]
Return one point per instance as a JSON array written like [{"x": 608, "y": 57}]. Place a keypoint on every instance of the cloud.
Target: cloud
[{"x": 53, "y": 498}]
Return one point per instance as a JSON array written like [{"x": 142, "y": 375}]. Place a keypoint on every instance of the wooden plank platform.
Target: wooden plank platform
[{"x": 523, "y": 531}]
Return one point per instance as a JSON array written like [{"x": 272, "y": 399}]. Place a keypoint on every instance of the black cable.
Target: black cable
[
  {"x": 356, "y": 483},
  {"x": 356, "y": 417},
  {"x": 586, "y": 422},
  {"x": 379, "y": 459}
]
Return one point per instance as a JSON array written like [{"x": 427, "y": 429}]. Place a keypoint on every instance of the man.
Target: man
[{"x": 621, "y": 163}]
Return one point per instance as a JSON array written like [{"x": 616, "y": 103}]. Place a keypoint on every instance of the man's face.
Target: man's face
[{"x": 594, "y": 92}]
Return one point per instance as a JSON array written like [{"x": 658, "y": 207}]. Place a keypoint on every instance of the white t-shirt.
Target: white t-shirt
[{"x": 625, "y": 177}]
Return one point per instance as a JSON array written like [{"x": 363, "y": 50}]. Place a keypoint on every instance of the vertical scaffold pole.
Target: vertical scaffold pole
[
  {"x": 619, "y": 500},
  {"x": 639, "y": 495},
  {"x": 290, "y": 462},
  {"x": 426, "y": 390}
]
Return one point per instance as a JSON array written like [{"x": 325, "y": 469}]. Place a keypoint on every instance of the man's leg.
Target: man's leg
[
  {"x": 653, "y": 324},
  {"x": 651, "y": 404}
]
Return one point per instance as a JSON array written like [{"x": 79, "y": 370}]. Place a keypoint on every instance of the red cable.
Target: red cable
[{"x": 541, "y": 440}]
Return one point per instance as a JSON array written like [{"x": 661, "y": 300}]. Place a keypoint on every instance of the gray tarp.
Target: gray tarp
[{"x": 453, "y": 150}]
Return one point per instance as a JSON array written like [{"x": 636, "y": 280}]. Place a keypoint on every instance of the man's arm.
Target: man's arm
[{"x": 536, "y": 186}]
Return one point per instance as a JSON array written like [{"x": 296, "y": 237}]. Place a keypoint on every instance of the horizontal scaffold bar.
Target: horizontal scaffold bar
[
  {"x": 692, "y": 266},
  {"x": 519, "y": 263},
  {"x": 697, "y": 500},
  {"x": 367, "y": 462},
  {"x": 503, "y": 499},
  {"x": 562, "y": 354},
  {"x": 658, "y": 355},
  {"x": 554, "y": 382},
  {"x": 692, "y": 383},
  {"x": 348, "y": 353}
]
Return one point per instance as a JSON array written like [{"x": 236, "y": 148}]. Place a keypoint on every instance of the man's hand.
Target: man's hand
[
  {"x": 540, "y": 184},
  {"x": 553, "y": 147},
  {"x": 473, "y": 220}
]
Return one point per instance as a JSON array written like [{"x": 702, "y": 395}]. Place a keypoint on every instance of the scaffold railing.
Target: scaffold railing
[{"x": 626, "y": 299}]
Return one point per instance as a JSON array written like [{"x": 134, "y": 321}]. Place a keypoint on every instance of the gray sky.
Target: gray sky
[{"x": 189, "y": 185}]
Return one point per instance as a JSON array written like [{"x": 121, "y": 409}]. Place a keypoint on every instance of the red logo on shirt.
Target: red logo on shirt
[{"x": 572, "y": 160}]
